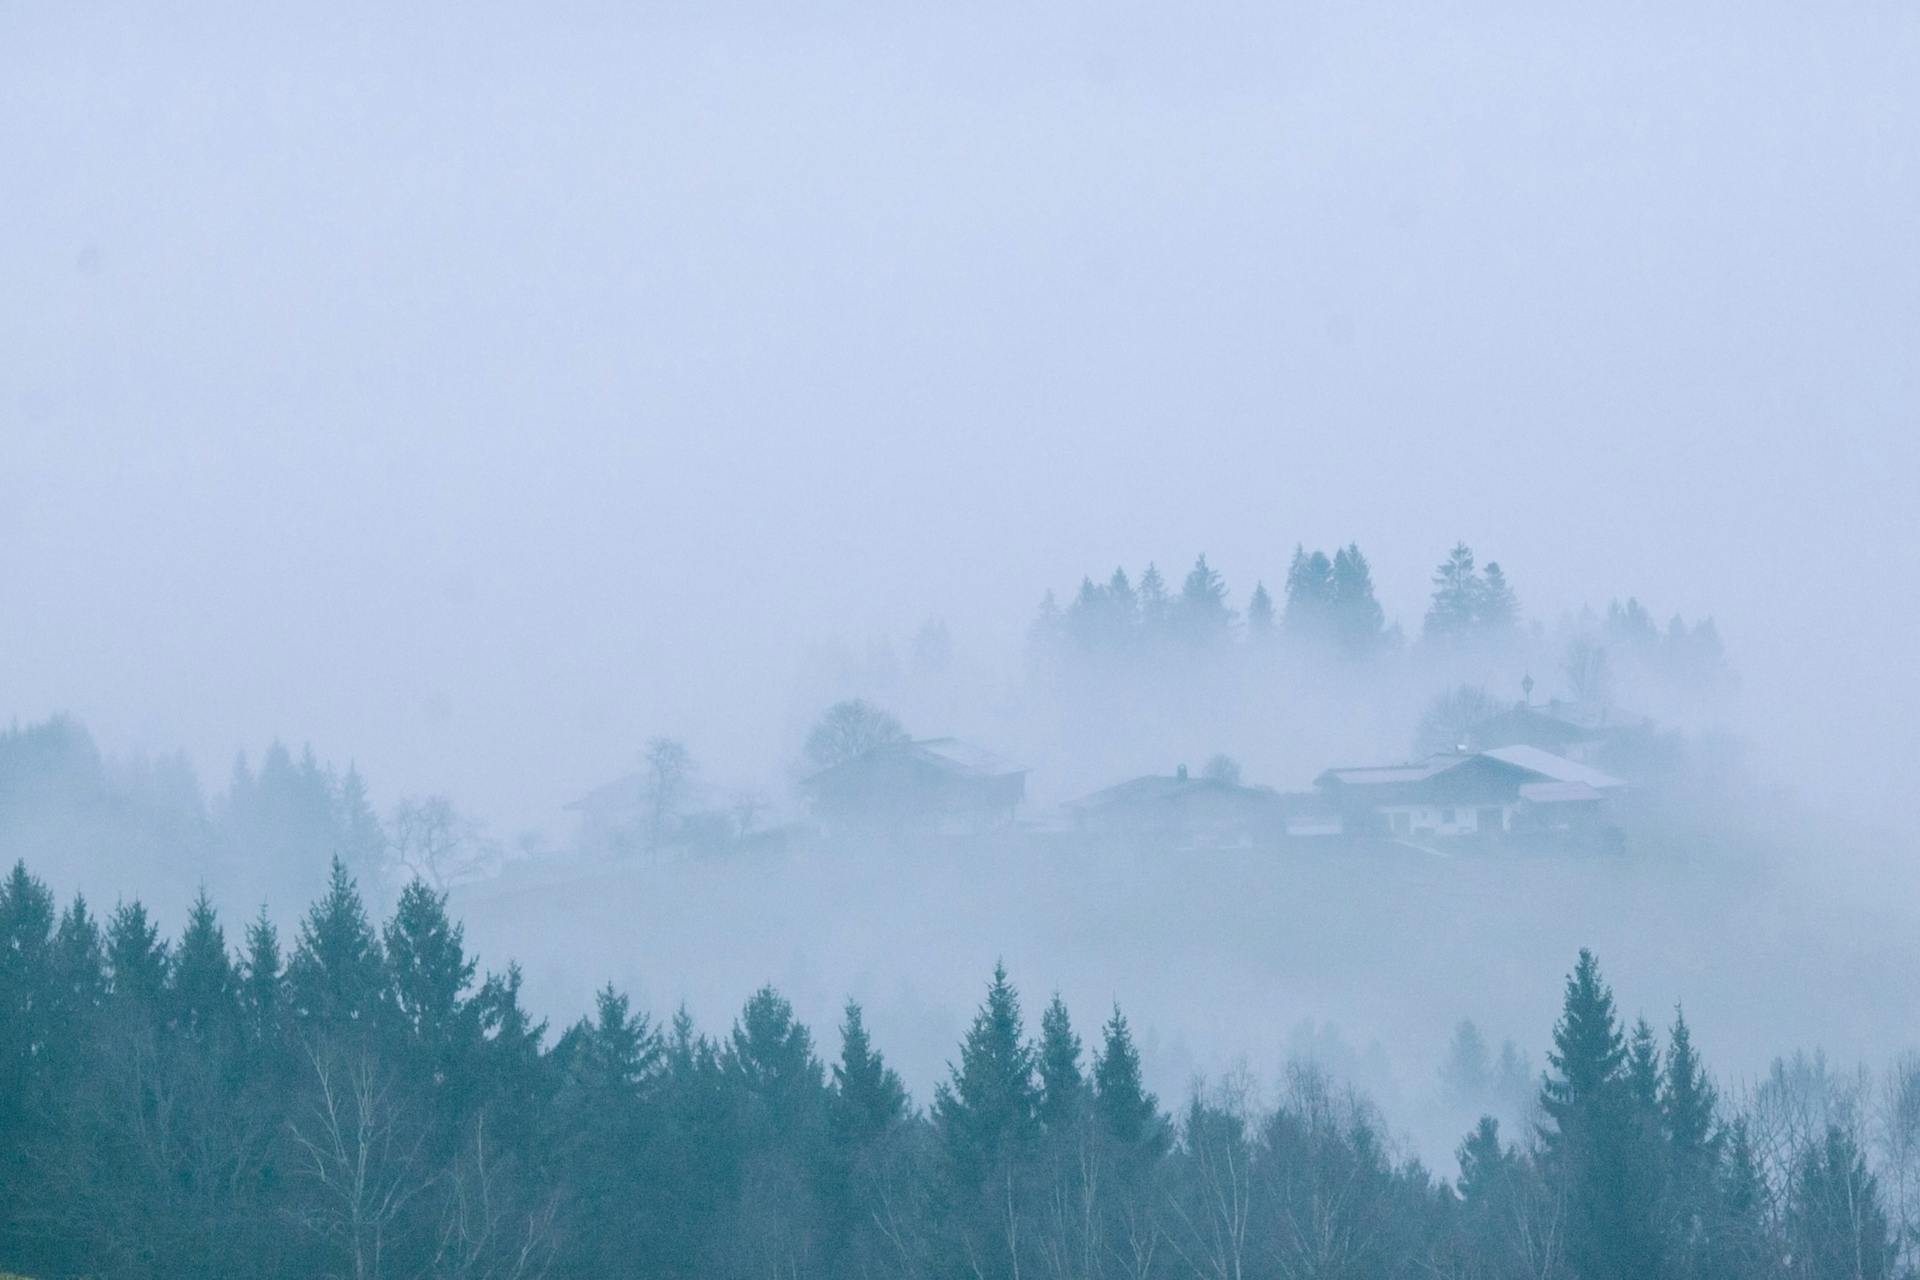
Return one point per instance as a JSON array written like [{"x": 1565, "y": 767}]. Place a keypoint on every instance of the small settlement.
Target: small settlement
[{"x": 1527, "y": 777}]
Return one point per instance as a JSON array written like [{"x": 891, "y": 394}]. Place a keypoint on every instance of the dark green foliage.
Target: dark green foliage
[
  {"x": 336, "y": 979},
  {"x": 1836, "y": 1226},
  {"x": 370, "y": 1109},
  {"x": 1598, "y": 1144},
  {"x": 987, "y": 1113}
]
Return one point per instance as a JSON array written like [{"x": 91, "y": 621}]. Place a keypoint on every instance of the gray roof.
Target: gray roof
[{"x": 1556, "y": 768}]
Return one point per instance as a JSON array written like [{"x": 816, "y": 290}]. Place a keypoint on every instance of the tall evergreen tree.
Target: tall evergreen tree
[
  {"x": 1359, "y": 624},
  {"x": 1594, "y": 1141},
  {"x": 1156, "y": 605},
  {"x": 1836, "y": 1225},
  {"x": 1308, "y": 617},
  {"x": 262, "y": 979},
  {"x": 205, "y": 997},
  {"x": 1497, "y": 610},
  {"x": 868, "y": 1096},
  {"x": 1455, "y": 607},
  {"x": 1260, "y": 619},
  {"x": 429, "y": 979},
  {"x": 1129, "y": 1113},
  {"x": 336, "y": 979},
  {"x": 986, "y": 1114},
  {"x": 136, "y": 957},
  {"x": 1062, "y": 1086},
  {"x": 1203, "y": 613}
]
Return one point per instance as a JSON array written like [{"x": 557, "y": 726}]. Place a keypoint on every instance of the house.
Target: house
[
  {"x": 1518, "y": 790},
  {"x": 939, "y": 784},
  {"x": 1573, "y": 730},
  {"x": 1181, "y": 811}
]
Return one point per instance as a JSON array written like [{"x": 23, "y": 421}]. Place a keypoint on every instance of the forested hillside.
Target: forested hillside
[{"x": 359, "y": 1100}]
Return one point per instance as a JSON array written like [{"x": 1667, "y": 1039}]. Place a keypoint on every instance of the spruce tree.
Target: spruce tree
[
  {"x": 1260, "y": 622},
  {"x": 1836, "y": 1225},
  {"x": 1359, "y": 624},
  {"x": 1062, "y": 1086},
  {"x": 1129, "y": 1113},
  {"x": 1497, "y": 610},
  {"x": 1455, "y": 607},
  {"x": 1203, "y": 613},
  {"x": 1594, "y": 1140},
  {"x": 986, "y": 1113},
  {"x": 1156, "y": 606},
  {"x": 336, "y": 980},
  {"x": 136, "y": 958},
  {"x": 1643, "y": 1068},
  {"x": 428, "y": 977},
  {"x": 262, "y": 980},
  {"x": 769, "y": 1061},
  {"x": 1308, "y": 617},
  {"x": 1687, "y": 1115},
  {"x": 868, "y": 1096},
  {"x": 205, "y": 995}
]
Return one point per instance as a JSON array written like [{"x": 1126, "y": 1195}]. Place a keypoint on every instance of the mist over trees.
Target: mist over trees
[{"x": 360, "y": 1099}]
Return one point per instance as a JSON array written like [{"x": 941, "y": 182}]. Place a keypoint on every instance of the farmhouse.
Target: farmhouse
[
  {"x": 1572, "y": 730},
  {"x": 1181, "y": 811},
  {"x": 1513, "y": 790},
  {"x": 940, "y": 784}
]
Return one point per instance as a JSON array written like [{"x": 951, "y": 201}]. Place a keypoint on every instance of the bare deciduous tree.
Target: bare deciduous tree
[{"x": 356, "y": 1149}]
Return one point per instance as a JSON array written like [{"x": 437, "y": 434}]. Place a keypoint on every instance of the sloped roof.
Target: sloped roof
[
  {"x": 1157, "y": 787},
  {"x": 965, "y": 757},
  {"x": 950, "y": 755},
  {"x": 1553, "y": 767},
  {"x": 1374, "y": 775}
]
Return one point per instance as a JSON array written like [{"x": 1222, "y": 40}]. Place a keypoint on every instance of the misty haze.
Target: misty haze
[{"x": 1129, "y": 641}]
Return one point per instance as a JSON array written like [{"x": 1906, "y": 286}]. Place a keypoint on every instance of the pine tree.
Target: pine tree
[
  {"x": 1203, "y": 613},
  {"x": 136, "y": 958},
  {"x": 1643, "y": 1068},
  {"x": 1492, "y": 1190},
  {"x": 336, "y": 980},
  {"x": 79, "y": 965},
  {"x": 769, "y": 1061},
  {"x": 986, "y": 1113},
  {"x": 262, "y": 981},
  {"x": 1455, "y": 608},
  {"x": 1688, "y": 1106},
  {"x": 1594, "y": 1140},
  {"x": 1739, "y": 1244},
  {"x": 1308, "y": 618},
  {"x": 1497, "y": 611},
  {"x": 1129, "y": 1113},
  {"x": 1359, "y": 624},
  {"x": 429, "y": 976},
  {"x": 1156, "y": 606},
  {"x": 868, "y": 1096},
  {"x": 1836, "y": 1225},
  {"x": 27, "y": 1007},
  {"x": 1260, "y": 620},
  {"x": 1062, "y": 1087},
  {"x": 205, "y": 997},
  {"x": 1123, "y": 606}
]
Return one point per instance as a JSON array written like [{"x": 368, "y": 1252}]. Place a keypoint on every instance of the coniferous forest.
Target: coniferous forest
[{"x": 360, "y": 1100}]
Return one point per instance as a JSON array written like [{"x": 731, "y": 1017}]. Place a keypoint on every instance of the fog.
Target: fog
[{"x": 476, "y": 395}]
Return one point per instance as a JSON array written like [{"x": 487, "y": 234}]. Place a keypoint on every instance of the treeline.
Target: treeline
[
  {"x": 277, "y": 817},
  {"x": 364, "y": 1103},
  {"x": 1328, "y": 608}
]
